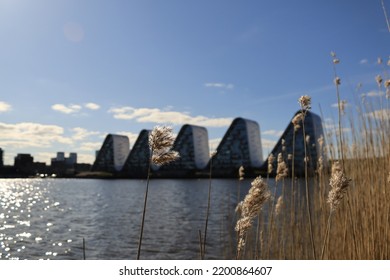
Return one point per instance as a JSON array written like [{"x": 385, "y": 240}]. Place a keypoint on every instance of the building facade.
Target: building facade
[
  {"x": 292, "y": 145},
  {"x": 112, "y": 155},
  {"x": 192, "y": 145},
  {"x": 240, "y": 146},
  {"x": 137, "y": 163}
]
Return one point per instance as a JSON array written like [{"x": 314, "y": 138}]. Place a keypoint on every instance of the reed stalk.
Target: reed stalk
[
  {"x": 160, "y": 143},
  {"x": 143, "y": 213},
  {"x": 207, "y": 211},
  {"x": 305, "y": 102}
]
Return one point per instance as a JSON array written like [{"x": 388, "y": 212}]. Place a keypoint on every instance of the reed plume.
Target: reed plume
[
  {"x": 338, "y": 188},
  {"x": 250, "y": 207},
  {"x": 305, "y": 102},
  {"x": 279, "y": 205},
  {"x": 379, "y": 80},
  {"x": 320, "y": 161},
  {"x": 282, "y": 169},
  {"x": 387, "y": 86},
  {"x": 241, "y": 173},
  {"x": 271, "y": 160},
  {"x": 160, "y": 142},
  {"x": 296, "y": 121}
]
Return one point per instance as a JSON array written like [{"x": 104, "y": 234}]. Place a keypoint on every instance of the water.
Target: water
[{"x": 48, "y": 218}]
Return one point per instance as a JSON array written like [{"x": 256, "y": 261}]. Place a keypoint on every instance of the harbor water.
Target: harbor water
[{"x": 50, "y": 218}]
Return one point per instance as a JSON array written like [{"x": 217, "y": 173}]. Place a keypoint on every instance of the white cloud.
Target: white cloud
[
  {"x": 373, "y": 93},
  {"x": 4, "y": 107},
  {"x": 26, "y": 134},
  {"x": 90, "y": 146},
  {"x": 86, "y": 158},
  {"x": 332, "y": 128},
  {"x": 82, "y": 133},
  {"x": 267, "y": 144},
  {"x": 383, "y": 114},
  {"x": 74, "y": 108},
  {"x": 214, "y": 143},
  {"x": 70, "y": 109},
  {"x": 154, "y": 115},
  {"x": 92, "y": 106},
  {"x": 276, "y": 133},
  {"x": 343, "y": 103},
  {"x": 363, "y": 61},
  {"x": 219, "y": 85},
  {"x": 44, "y": 157}
]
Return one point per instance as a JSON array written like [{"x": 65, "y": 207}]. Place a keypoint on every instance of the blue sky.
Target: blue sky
[{"x": 73, "y": 71}]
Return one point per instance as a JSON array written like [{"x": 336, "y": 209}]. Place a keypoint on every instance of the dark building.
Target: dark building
[
  {"x": 112, "y": 155},
  {"x": 313, "y": 131},
  {"x": 61, "y": 165},
  {"x": 193, "y": 147},
  {"x": 24, "y": 164},
  {"x": 137, "y": 163},
  {"x": 1, "y": 158},
  {"x": 240, "y": 146}
]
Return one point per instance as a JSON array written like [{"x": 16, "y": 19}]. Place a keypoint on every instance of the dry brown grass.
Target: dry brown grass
[{"x": 359, "y": 225}]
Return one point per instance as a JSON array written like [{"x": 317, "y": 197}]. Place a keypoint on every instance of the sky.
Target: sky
[{"x": 73, "y": 71}]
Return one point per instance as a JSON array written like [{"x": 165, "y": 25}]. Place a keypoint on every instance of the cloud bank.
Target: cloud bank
[{"x": 155, "y": 115}]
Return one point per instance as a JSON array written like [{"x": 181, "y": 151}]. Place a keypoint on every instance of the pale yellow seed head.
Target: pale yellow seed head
[
  {"x": 321, "y": 141},
  {"x": 343, "y": 104},
  {"x": 257, "y": 195},
  {"x": 282, "y": 169},
  {"x": 279, "y": 205},
  {"x": 271, "y": 160},
  {"x": 241, "y": 173},
  {"x": 379, "y": 80},
  {"x": 338, "y": 184},
  {"x": 305, "y": 102},
  {"x": 161, "y": 141},
  {"x": 297, "y": 120}
]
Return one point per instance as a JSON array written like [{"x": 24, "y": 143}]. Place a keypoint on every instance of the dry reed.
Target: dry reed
[
  {"x": 249, "y": 208},
  {"x": 161, "y": 141}
]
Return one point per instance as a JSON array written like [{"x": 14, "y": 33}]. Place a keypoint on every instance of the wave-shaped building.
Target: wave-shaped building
[
  {"x": 292, "y": 145},
  {"x": 240, "y": 146},
  {"x": 192, "y": 144},
  {"x": 137, "y": 163},
  {"x": 112, "y": 154}
]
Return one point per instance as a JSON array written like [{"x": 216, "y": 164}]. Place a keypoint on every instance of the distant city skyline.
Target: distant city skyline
[{"x": 74, "y": 71}]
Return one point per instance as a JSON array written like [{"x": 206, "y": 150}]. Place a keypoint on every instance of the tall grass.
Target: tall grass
[{"x": 350, "y": 206}]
